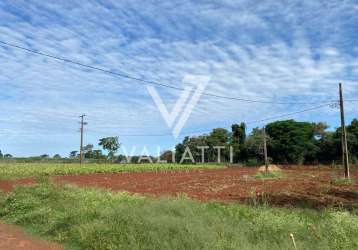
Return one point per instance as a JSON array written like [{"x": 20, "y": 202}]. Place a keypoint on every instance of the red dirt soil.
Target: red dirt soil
[
  {"x": 12, "y": 238},
  {"x": 300, "y": 186},
  {"x": 9, "y": 185}
]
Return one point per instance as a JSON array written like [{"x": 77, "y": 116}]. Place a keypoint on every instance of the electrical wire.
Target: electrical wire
[
  {"x": 144, "y": 81},
  {"x": 249, "y": 122}
]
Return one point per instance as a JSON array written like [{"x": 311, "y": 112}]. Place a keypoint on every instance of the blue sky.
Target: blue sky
[{"x": 267, "y": 50}]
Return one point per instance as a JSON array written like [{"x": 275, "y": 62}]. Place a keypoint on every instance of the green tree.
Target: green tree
[
  {"x": 238, "y": 139},
  {"x": 88, "y": 151},
  {"x": 329, "y": 147},
  {"x": 254, "y": 144},
  {"x": 352, "y": 140},
  {"x": 320, "y": 129},
  {"x": 7, "y": 156},
  {"x": 73, "y": 154},
  {"x": 97, "y": 154},
  {"x": 291, "y": 141},
  {"x": 238, "y": 133},
  {"x": 111, "y": 144},
  {"x": 57, "y": 156},
  {"x": 219, "y": 137},
  {"x": 167, "y": 156},
  {"x": 1, "y": 155}
]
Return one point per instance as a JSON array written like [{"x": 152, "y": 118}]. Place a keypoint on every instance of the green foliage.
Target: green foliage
[
  {"x": 167, "y": 156},
  {"x": 111, "y": 144},
  {"x": 7, "y": 156},
  {"x": 238, "y": 133},
  {"x": 269, "y": 175},
  {"x": 352, "y": 131},
  {"x": 217, "y": 138},
  {"x": 73, "y": 154},
  {"x": 254, "y": 144},
  {"x": 57, "y": 156},
  {"x": 88, "y": 151},
  {"x": 291, "y": 141},
  {"x": 344, "y": 181},
  {"x": 18, "y": 170},
  {"x": 238, "y": 142},
  {"x": 288, "y": 141},
  {"x": 253, "y": 162},
  {"x": 94, "y": 219}
]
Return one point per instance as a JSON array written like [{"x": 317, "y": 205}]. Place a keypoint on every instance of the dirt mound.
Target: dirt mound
[{"x": 271, "y": 168}]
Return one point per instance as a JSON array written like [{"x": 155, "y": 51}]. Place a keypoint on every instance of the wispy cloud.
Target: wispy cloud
[{"x": 271, "y": 50}]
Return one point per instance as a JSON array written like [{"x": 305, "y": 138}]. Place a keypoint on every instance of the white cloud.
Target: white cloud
[{"x": 266, "y": 51}]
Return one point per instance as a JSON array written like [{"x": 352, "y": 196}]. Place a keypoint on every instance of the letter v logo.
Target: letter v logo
[{"x": 171, "y": 117}]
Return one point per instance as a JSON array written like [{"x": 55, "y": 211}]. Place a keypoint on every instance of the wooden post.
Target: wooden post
[
  {"x": 265, "y": 149},
  {"x": 345, "y": 160},
  {"x": 81, "y": 144}
]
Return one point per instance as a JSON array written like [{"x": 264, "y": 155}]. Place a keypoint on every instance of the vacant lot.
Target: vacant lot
[
  {"x": 99, "y": 215},
  {"x": 296, "y": 186}
]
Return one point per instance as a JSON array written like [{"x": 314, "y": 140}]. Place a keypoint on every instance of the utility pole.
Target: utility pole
[
  {"x": 81, "y": 130},
  {"x": 345, "y": 160},
  {"x": 265, "y": 149}
]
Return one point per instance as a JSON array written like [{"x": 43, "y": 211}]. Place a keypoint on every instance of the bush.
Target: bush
[{"x": 253, "y": 162}]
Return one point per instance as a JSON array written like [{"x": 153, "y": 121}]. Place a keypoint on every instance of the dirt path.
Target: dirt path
[{"x": 13, "y": 238}]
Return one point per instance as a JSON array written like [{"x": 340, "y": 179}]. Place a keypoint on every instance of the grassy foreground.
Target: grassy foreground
[
  {"x": 19, "y": 170},
  {"x": 83, "y": 218}
]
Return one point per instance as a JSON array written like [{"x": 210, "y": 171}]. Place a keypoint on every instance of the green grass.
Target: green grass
[
  {"x": 19, "y": 170},
  {"x": 344, "y": 181},
  {"x": 87, "y": 218},
  {"x": 269, "y": 175}
]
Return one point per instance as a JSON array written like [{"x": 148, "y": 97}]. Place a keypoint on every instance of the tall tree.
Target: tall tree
[
  {"x": 88, "y": 151},
  {"x": 219, "y": 137},
  {"x": 352, "y": 136},
  {"x": 291, "y": 141},
  {"x": 209, "y": 144},
  {"x": 254, "y": 144},
  {"x": 238, "y": 133},
  {"x": 238, "y": 139},
  {"x": 111, "y": 144}
]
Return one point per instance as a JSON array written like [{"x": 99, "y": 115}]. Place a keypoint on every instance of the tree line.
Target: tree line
[{"x": 288, "y": 142}]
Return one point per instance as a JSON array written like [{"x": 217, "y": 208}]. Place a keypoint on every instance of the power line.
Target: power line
[
  {"x": 141, "y": 80},
  {"x": 289, "y": 114},
  {"x": 66, "y": 116},
  {"x": 249, "y": 122}
]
